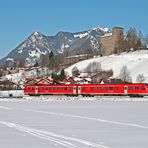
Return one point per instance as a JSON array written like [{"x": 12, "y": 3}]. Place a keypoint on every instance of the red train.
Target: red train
[{"x": 133, "y": 89}]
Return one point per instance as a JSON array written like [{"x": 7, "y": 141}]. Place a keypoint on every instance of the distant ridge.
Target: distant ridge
[{"x": 38, "y": 44}]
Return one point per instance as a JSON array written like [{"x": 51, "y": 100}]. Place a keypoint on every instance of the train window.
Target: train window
[
  {"x": 65, "y": 88},
  {"x": 97, "y": 88},
  {"x": 50, "y": 88},
  {"x": 32, "y": 88},
  {"x": 110, "y": 88},
  {"x": 143, "y": 88},
  {"x": 69, "y": 88},
  {"x": 116, "y": 88},
  {"x": 100, "y": 88},
  {"x": 74, "y": 88},
  {"x": 125, "y": 87},
  {"x": 92, "y": 88},
  {"x": 46, "y": 88},
  {"x": 105, "y": 88},
  {"x": 84, "y": 88},
  {"x": 28, "y": 88},
  {"x": 131, "y": 88},
  {"x": 54, "y": 88},
  {"x": 136, "y": 87},
  {"x": 42, "y": 88}
]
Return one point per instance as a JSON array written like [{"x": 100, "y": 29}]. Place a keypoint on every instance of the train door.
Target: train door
[
  {"x": 125, "y": 89},
  {"x": 36, "y": 90},
  {"x": 79, "y": 89},
  {"x": 74, "y": 90}
]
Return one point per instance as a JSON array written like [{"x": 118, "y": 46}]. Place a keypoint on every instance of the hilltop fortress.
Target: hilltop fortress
[{"x": 108, "y": 41}]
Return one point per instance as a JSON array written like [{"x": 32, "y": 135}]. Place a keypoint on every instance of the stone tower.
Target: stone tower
[{"x": 108, "y": 41}]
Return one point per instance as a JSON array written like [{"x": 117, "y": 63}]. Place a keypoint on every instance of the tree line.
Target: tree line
[{"x": 133, "y": 40}]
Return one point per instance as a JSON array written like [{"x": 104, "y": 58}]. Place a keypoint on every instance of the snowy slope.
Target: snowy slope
[{"x": 136, "y": 62}]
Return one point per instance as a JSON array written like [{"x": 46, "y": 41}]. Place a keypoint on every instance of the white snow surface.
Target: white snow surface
[
  {"x": 36, "y": 53},
  {"x": 81, "y": 35},
  {"x": 62, "y": 49},
  {"x": 14, "y": 77},
  {"x": 10, "y": 59},
  {"x": 73, "y": 124},
  {"x": 67, "y": 46},
  {"x": 105, "y": 29},
  {"x": 136, "y": 62},
  {"x": 100, "y": 28},
  {"x": 107, "y": 34}
]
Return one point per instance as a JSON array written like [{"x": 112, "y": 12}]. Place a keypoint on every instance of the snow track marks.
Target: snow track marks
[
  {"x": 90, "y": 118},
  {"x": 58, "y": 139}
]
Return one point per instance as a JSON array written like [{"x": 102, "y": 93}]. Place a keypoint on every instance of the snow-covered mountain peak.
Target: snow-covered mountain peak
[
  {"x": 105, "y": 29},
  {"x": 81, "y": 35},
  {"x": 38, "y": 44},
  {"x": 36, "y": 33},
  {"x": 36, "y": 36},
  {"x": 98, "y": 29}
]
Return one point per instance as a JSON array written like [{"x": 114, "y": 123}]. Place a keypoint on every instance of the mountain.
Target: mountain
[{"x": 37, "y": 44}]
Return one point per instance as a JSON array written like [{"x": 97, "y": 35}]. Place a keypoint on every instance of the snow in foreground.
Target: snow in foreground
[{"x": 73, "y": 124}]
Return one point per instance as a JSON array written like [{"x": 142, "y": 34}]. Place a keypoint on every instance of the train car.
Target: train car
[
  {"x": 51, "y": 89},
  {"x": 132, "y": 89},
  {"x": 31, "y": 90}
]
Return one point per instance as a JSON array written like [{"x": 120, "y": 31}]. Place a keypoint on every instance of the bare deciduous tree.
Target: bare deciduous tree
[
  {"x": 134, "y": 38},
  {"x": 125, "y": 74},
  {"x": 75, "y": 71},
  {"x": 1, "y": 73},
  {"x": 93, "y": 67},
  {"x": 140, "y": 78}
]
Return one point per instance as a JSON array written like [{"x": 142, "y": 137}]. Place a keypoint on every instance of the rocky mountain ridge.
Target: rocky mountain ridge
[{"x": 38, "y": 44}]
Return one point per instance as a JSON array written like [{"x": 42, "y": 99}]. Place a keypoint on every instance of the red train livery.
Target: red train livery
[{"x": 133, "y": 89}]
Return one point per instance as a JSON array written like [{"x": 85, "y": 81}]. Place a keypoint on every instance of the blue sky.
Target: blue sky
[{"x": 19, "y": 18}]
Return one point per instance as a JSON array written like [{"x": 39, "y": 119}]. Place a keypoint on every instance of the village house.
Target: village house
[{"x": 7, "y": 85}]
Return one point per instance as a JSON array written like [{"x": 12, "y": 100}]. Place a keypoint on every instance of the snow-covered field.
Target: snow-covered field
[
  {"x": 136, "y": 62},
  {"x": 73, "y": 124}
]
